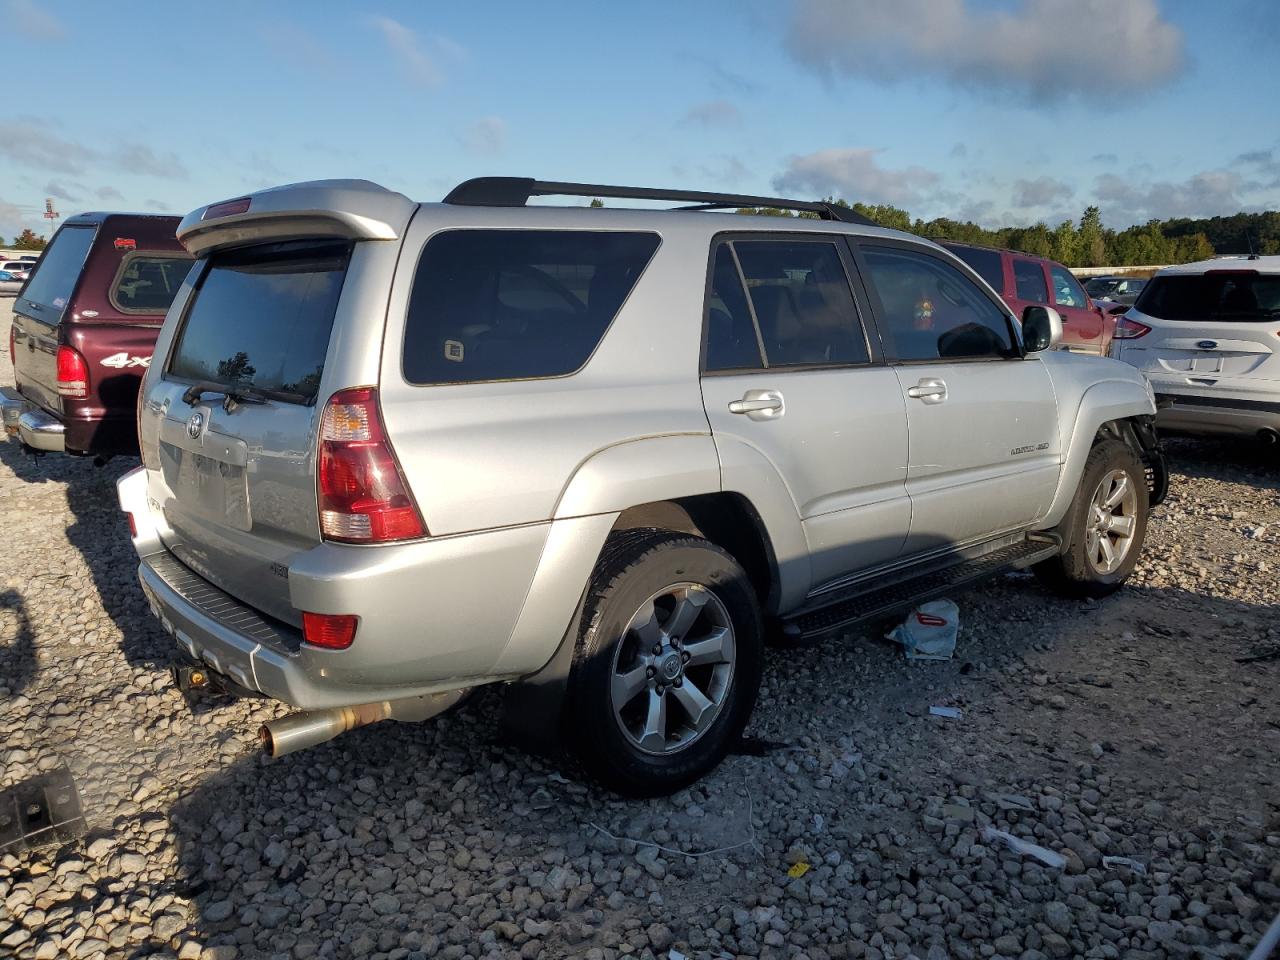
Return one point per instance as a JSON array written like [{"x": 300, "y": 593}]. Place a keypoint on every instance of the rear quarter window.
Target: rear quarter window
[
  {"x": 516, "y": 304},
  {"x": 51, "y": 285},
  {"x": 1243, "y": 296}
]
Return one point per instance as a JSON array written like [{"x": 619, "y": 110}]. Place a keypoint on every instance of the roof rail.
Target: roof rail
[{"x": 516, "y": 191}]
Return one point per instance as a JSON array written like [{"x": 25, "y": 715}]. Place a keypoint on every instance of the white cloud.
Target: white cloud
[
  {"x": 714, "y": 113},
  {"x": 63, "y": 191},
  {"x": 1034, "y": 48},
  {"x": 1207, "y": 194},
  {"x": 36, "y": 23},
  {"x": 422, "y": 62},
  {"x": 28, "y": 143},
  {"x": 488, "y": 135},
  {"x": 11, "y": 219},
  {"x": 853, "y": 174},
  {"x": 1040, "y": 192},
  {"x": 108, "y": 193}
]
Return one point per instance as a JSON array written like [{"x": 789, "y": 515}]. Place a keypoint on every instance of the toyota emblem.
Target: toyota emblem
[{"x": 195, "y": 425}]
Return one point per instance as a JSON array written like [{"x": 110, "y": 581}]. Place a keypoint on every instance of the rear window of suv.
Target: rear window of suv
[
  {"x": 261, "y": 318},
  {"x": 147, "y": 283},
  {"x": 1235, "y": 295},
  {"x": 52, "y": 283},
  {"x": 985, "y": 263},
  {"x": 516, "y": 304}
]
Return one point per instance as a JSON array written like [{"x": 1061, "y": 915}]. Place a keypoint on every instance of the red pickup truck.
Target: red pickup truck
[
  {"x": 84, "y": 326},
  {"x": 1023, "y": 280}
]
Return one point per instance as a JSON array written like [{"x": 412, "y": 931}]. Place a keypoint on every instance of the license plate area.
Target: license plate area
[{"x": 207, "y": 487}]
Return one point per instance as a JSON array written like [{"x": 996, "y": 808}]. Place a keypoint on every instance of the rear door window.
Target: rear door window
[
  {"x": 148, "y": 282},
  {"x": 932, "y": 311},
  {"x": 1028, "y": 280},
  {"x": 261, "y": 318},
  {"x": 1066, "y": 289},
  {"x": 732, "y": 342},
  {"x": 54, "y": 279},
  {"x": 985, "y": 263},
  {"x": 1244, "y": 296},
  {"x": 516, "y": 304},
  {"x": 803, "y": 305}
]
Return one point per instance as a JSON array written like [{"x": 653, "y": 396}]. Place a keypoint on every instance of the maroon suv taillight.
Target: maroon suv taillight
[
  {"x": 73, "y": 373},
  {"x": 1127, "y": 329},
  {"x": 362, "y": 493}
]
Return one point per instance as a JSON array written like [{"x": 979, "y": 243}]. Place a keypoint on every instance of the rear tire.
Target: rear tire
[
  {"x": 1104, "y": 528},
  {"x": 667, "y": 664}
]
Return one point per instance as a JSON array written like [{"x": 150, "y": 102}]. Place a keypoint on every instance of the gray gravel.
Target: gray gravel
[{"x": 1127, "y": 728}]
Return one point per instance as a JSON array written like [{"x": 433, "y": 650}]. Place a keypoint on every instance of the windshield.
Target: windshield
[
  {"x": 261, "y": 318},
  {"x": 1241, "y": 295}
]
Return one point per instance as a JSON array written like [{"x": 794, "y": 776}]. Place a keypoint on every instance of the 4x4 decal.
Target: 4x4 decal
[{"x": 122, "y": 359}]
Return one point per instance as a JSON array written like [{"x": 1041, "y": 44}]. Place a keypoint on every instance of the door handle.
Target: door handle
[
  {"x": 759, "y": 405},
  {"x": 929, "y": 390}
]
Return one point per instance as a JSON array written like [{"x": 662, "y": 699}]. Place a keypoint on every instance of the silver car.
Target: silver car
[
  {"x": 393, "y": 451},
  {"x": 10, "y": 283}
]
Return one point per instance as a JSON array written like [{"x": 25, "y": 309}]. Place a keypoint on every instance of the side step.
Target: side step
[{"x": 905, "y": 589}]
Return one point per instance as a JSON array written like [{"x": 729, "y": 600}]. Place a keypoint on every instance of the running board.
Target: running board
[{"x": 907, "y": 588}]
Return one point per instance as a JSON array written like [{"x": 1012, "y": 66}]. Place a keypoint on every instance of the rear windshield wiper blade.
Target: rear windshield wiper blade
[{"x": 231, "y": 396}]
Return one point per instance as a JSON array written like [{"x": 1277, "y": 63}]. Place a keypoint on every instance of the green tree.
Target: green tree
[
  {"x": 1066, "y": 243},
  {"x": 27, "y": 240},
  {"x": 596, "y": 202},
  {"x": 1091, "y": 244}
]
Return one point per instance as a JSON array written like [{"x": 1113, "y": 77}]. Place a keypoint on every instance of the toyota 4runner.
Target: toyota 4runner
[{"x": 392, "y": 451}]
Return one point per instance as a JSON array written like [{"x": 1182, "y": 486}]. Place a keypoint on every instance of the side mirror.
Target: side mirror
[{"x": 1041, "y": 328}]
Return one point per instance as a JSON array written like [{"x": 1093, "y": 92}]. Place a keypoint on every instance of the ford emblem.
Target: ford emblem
[
  {"x": 195, "y": 425},
  {"x": 1207, "y": 344}
]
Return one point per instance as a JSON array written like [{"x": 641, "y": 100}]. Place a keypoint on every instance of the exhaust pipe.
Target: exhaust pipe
[
  {"x": 298, "y": 731},
  {"x": 1268, "y": 436}
]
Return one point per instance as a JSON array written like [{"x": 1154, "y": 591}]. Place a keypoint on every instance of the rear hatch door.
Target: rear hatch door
[
  {"x": 237, "y": 414},
  {"x": 39, "y": 310},
  {"x": 1210, "y": 333}
]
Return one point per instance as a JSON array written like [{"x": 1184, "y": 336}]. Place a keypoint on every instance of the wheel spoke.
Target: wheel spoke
[
  {"x": 627, "y": 686},
  {"x": 695, "y": 703},
  {"x": 1120, "y": 525},
  {"x": 709, "y": 649},
  {"x": 654, "y": 734},
  {"x": 1108, "y": 550},
  {"x": 645, "y": 625},
  {"x": 1091, "y": 538},
  {"x": 1119, "y": 491},
  {"x": 686, "y": 612}
]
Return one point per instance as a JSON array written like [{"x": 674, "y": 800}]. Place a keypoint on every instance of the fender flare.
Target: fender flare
[{"x": 1100, "y": 404}]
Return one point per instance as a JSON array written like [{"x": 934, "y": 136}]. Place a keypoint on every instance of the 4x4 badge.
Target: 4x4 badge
[{"x": 195, "y": 425}]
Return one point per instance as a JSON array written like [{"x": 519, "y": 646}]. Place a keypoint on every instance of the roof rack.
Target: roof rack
[{"x": 516, "y": 191}]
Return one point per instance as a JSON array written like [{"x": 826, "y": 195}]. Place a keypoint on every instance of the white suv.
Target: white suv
[{"x": 1207, "y": 335}]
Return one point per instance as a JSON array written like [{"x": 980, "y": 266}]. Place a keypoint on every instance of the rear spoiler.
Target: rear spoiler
[{"x": 344, "y": 209}]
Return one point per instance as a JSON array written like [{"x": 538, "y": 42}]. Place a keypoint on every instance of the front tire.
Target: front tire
[
  {"x": 1105, "y": 527},
  {"x": 668, "y": 662}
]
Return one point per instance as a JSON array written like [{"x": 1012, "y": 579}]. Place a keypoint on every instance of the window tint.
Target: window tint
[
  {"x": 1028, "y": 280},
  {"x": 148, "y": 284},
  {"x": 261, "y": 317},
  {"x": 802, "y": 301},
  {"x": 1220, "y": 295},
  {"x": 516, "y": 304},
  {"x": 1066, "y": 289},
  {"x": 933, "y": 311},
  {"x": 55, "y": 278},
  {"x": 985, "y": 263},
  {"x": 731, "y": 336}
]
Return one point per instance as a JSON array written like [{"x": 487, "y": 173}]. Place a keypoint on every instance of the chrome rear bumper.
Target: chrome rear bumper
[{"x": 31, "y": 425}]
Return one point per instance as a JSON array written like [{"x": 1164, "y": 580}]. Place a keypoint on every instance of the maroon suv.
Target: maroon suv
[
  {"x": 83, "y": 330},
  {"x": 1023, "y": 280}
]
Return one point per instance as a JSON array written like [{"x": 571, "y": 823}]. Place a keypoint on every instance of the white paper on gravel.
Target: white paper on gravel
[{"x": 1027, "y": 849}]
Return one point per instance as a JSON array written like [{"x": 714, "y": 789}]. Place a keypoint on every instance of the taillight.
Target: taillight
[
  {"x": 362, "y": 493},
  {"x": 1127, "y": 329},
  {"x": 73, "y": 373},
  {"x": 334, "y": 631}
]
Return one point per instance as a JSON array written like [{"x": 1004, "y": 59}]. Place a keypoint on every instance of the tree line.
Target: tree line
[
  {"x": 1087, "y": 243},
  {"x": 26, "y": 240}
]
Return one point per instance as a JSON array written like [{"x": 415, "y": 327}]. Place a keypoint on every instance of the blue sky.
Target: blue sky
[{"x": 1002, "y": 111}]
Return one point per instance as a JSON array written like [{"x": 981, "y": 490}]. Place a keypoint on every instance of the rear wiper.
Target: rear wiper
[{"x": 232, "y": 397}]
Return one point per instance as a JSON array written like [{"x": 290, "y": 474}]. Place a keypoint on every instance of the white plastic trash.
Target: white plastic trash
[{"x": 930, "y": 631}]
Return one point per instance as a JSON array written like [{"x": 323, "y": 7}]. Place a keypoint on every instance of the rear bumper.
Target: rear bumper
[
  {"x": 31, "y": 425},
  {"x": 1225, "y": 416}
]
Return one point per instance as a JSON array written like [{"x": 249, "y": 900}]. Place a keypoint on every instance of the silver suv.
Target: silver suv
[{"x": 394, "y": 450}]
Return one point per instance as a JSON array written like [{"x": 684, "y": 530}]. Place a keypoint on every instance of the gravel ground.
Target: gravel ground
[{"x": 1145, "y": 727}]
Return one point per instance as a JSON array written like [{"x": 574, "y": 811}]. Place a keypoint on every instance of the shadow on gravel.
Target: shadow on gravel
[
  {"x": 17, "y": 650},
  {"x": 1225, "y": 460},
  {"x": 432, "y": 836}
]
